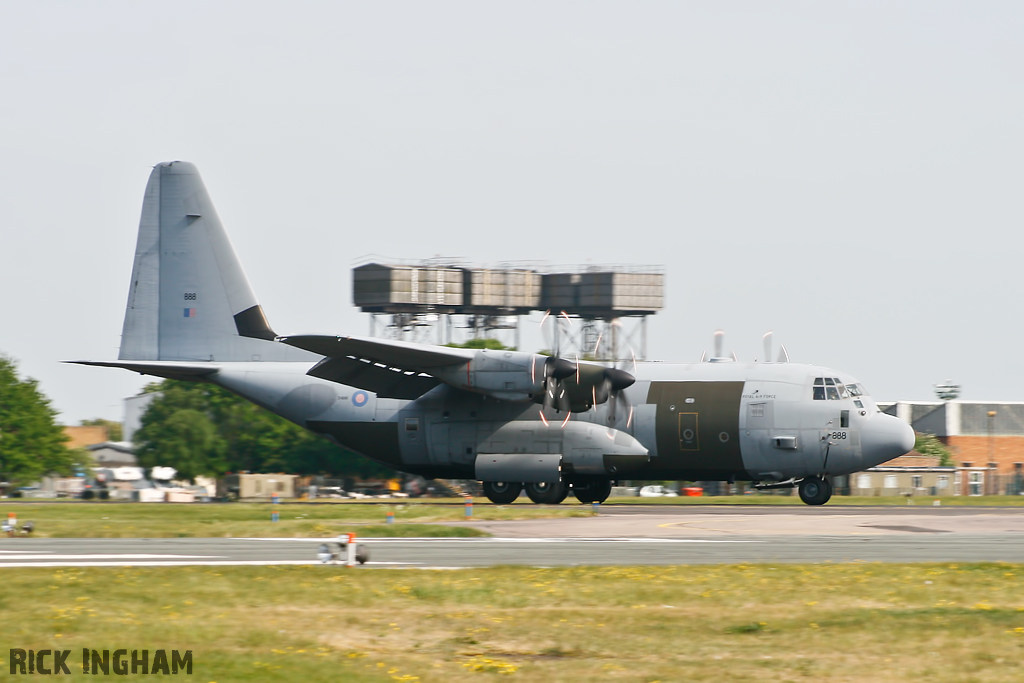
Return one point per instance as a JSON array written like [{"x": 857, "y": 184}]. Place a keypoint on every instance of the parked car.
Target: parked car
[{"x": 657, "y": 491}]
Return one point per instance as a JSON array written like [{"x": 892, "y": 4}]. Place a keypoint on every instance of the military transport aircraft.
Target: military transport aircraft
[{"x": 510, "y": 419}]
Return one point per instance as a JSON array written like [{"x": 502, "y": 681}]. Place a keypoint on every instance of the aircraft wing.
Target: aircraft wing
[{"x": 390, "y": 369}]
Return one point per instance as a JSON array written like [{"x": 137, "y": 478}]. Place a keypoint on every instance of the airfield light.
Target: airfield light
[{"x": 350, "y": 551}]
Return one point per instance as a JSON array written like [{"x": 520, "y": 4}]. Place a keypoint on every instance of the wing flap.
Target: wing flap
[
  {"x": 386, "y": 382},
  {"x": 405, "y": 355},
  {"x": 390, "y": 369}
]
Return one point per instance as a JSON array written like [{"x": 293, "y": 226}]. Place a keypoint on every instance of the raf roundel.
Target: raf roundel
[{"x": 359, "y": 399}]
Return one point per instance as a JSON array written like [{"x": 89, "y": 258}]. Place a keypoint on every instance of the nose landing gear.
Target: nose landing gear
[
  {"x": 595, "y": 491},
  {"x": 815, "y": 490}
]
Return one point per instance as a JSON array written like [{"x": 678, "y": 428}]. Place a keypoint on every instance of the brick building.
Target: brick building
[{"x": 985, "y": 437}]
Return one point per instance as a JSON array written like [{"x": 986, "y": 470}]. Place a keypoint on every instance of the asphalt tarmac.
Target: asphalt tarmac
[{"x": 625, "y": 535}]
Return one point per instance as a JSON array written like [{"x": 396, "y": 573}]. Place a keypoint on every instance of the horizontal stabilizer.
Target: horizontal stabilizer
[
  {"x": 168, "y": 369},
  {"x": 395, "y": 354}
]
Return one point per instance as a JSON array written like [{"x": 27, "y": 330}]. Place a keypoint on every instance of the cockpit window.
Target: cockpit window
[{"x": 832, "y": 389}]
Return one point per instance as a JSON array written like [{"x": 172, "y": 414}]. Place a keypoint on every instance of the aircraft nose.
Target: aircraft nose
[{"x": 887, "y": 437}]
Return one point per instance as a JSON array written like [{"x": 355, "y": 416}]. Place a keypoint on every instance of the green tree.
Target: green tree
[
  {"x": 32, "y": 444},
  {"x": 187, "y": 441},
  {"x": 929, "y": 444},
  {"x": 245, "y": 437},
  {"x": 482, "y": 343},
  {"x": 115, "y": 430}
]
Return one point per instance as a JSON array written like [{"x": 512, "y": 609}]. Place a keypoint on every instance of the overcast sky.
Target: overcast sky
[{"x": 848, "y": 175}]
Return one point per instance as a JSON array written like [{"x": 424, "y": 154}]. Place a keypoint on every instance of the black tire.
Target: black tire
[
  {"x": 547, "y": 492},
  {"x": 502, "y": 492},
  {"x": 593, "y": 491},
  {"x": 815, "y": 491}
]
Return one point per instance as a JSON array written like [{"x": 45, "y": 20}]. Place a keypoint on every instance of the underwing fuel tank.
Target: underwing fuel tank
[{"x": 528, "y": 452}]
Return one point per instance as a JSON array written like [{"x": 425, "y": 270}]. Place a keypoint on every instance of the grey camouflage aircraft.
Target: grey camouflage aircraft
[{"x": 509, "y": 419}]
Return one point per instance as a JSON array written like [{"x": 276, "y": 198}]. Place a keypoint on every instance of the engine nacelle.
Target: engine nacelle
[{"x": 508, "y": 375}]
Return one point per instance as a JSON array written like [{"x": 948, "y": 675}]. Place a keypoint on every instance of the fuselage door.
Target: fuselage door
[
  {"x": 689, "y": 431},
  {"x": 697, "y": 426},
  {"x": 412, "y": 436},
  {"x": 439, "y": 450}
]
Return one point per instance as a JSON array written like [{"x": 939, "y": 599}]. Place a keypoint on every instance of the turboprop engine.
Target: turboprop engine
[
  {"x": 508, "y": 375},
  {"x": 553, "y": 382}
]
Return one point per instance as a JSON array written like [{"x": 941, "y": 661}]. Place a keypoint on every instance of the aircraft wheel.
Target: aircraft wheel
[
  {"x": 547, "y": 492},
  {"x": 502, "y": 492},
  {"x": 815, "y": 491},
  {"x": 593, "y": 491}
]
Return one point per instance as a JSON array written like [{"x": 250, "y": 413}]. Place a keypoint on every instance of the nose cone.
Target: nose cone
[{"x": 886, "y": 437}]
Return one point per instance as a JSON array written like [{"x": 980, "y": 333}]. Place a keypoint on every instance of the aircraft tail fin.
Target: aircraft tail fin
[{"x": 189, "y": 299}]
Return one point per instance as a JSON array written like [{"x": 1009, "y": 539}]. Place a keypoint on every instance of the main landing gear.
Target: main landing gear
[
  {"x": 548, "y": 493},
  {"x": 815, "y": 490},
  {"x": 502, "y": 492}
]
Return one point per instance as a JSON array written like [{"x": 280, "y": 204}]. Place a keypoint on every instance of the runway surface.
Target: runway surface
[{"x": 617, "y": 536}]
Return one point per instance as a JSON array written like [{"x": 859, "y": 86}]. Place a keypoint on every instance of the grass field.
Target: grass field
[
  {"x": 758, "y": 623},
  {"x": 74, "y": 519}
]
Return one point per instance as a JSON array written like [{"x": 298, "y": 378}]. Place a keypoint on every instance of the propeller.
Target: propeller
[
  {"x": 572, "y": 385},
  {"x": 783, "y": 354},
  {"x": 615, "y": 383},
  {"x": 719, "y": 355},
  {"x": 556, "y": 370}
]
